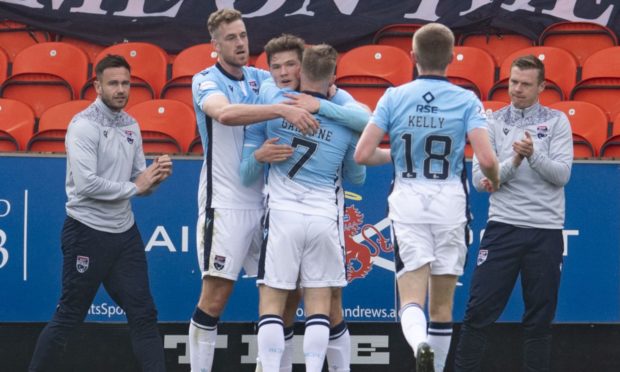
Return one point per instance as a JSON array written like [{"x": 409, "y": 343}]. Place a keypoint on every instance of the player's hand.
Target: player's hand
[
  {"x": 331, "y": 91},
  {"x": 301, "y": 119},
  {"x": 525, "y": 147},
  {"x": 304, "y": 101},
  {"x": 149, "y": 177},
  {"x": 271, "y": 152},
  {"x": 488, "y": 185},
  {"x": 164, "y": 164}
]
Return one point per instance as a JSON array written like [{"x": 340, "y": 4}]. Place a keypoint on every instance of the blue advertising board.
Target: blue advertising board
[{"x": 32, "y": 213}]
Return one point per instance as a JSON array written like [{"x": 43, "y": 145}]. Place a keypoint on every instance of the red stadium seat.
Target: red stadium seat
[
  {"x": 148, "y": 62},
  {"x": 498, "y": 44},
  {"x": 611, "y": 147},
  {"x": 397, "y": 35},
  {"x": 46, "y": 74},
  {"x": 261, "y": 61},
  {"x": 167, "y": 126},
  {"x": 189, "y": 62},
  {"x": 560, "y": 66},
  {"x": 492, "y": 106},
  {"x": 582, "y": 39},
  {"x": 4, "y": 65},
  {"x": 92, "y": 50},
  {"x": 195, "y": 147},
  {"x": 475, "y": 65},
  {"x": 588, "y": 122},
  {"x": 14, "y": 37},
  {"x": 16, "y": 125},
  {"x": 367, "y": 71},
  {"x": 53, "y": 125}
]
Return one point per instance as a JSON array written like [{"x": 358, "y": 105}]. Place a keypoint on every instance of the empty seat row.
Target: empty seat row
[{"x": 167, "y": 126}]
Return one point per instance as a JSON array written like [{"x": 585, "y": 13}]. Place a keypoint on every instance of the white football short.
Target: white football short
[
  {"x": 304, "y": 247},
  {"x": 229, "y": 239},
  {"x": 443, "y": 246}
]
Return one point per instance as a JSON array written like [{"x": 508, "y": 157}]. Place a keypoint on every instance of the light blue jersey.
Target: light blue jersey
[
  {"x": 308, "y": 181},
  {"x": 220, "y": 186},
  {"x": 427, "y": 121}
]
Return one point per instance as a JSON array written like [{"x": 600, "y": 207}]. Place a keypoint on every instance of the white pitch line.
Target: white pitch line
[{"x": 25, "y": 235}]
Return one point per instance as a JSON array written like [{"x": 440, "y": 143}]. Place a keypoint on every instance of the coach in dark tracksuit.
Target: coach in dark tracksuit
[
  {"x": 526, "y": 218},
  {"x": 100, "y": 240}
]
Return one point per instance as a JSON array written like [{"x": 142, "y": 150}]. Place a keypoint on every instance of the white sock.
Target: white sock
[
  {"x": 439, "y": 337},
  {"x": 286, "y": 363},
  {"x": 202, "y": 336},
  {"x": 413, "y": 323},
  {"x": 316, "y": 338},
  {"x": 270, "y": 342},
  {"x": 339, "y": 349}
]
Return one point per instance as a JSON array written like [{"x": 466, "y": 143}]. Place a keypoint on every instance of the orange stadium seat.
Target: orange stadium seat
[
  {"x": 140, "y": 91},
  {"x": 148, "y": 62},
  {"x": 92, "y": 50},
  {"x": 604, "y": 63},
  {"x": 475, "y": 65},
  {"x": 582, "y": 39},
  {"x": 498, "y": 44},
  {"x": 50, "y": 136},
  {"x": 167, "y": 126},
  {"x": 195, "y": 147},
  {"x": 397, "y": 35},
  {"x": 589, "y": 125},
  {"x": 16, "y": 125},
  {"x": 46, "y": 74},
  {"x": 367, "y": 71},
  {"x": 4, "y": 65},
  {"x": 14, "y": 37},
  {"x": 189, "y": 62},
  {"x": 611, "y": 147},
  {"x": 603, "y": 92},
  {"x": 261, "y": 61}
]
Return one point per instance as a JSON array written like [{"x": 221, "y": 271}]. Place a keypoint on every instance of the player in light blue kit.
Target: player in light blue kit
[
  {"x": 225, "y": 97},
  {"x": 301, "y": 237},
  {"x": 427, "y": 121}
]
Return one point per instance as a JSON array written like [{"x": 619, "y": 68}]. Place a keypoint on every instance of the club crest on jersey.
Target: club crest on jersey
[
  {"x": 81, "y": 264},
  {"x": 105, "y": 133},
  {"x": 231, "y": 88},
  {"x": 541, "y": 131},
  {"x": 129, "y": 135},
  {"x": 482, "y": 256},
  {"x": 219, "y": 262},
  {"x": 506, "y": 131},
  {"x": 253, "y": 85}
]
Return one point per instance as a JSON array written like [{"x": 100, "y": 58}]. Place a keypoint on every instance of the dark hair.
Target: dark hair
[
  {"x": 111, "y": 61},
  {"x": 285, "y": 43},
  {"x": 530, "y": 62}
]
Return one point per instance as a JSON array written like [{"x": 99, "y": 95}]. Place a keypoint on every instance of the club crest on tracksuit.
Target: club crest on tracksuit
[
  {"x": 541, "y": 131},
  {"x": 482, "y": 256},
  {"x": 81, "y": 264}
]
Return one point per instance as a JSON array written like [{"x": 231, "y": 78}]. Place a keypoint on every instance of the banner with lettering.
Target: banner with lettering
[{"x": 177, "y": 24}]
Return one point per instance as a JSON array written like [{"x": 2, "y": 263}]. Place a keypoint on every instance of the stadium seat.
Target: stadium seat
[
  {"x": 195, "y": 147},
  {"x": 560, "y": 66},
  {"x": 167, "y": 126},
  {"x": 16, "y": 125},
  {"x": 492, "y": 106},
  {"x": 46, "y": 74},
  {"x": 604, "y": 63},
  {"x": 92, "y": 50},
  {"x": 140, "y": 91},
  {"x": 148, "y": 62},
  {"x": 611, "y": 147},
  {"x": 589, "y": 125},
  {"x": 551, "y": 94},
  {"x": 189, "y": 62},
  {"x": 498, "y": 44},
  {"x": 50, "y": 136},
  {"x": 475, "y": 65},
  {"x": 14, "y": 37},
  {"x": 603, "y": 92},
  {"x": 582, "y": 39},
  {"x": 261, "y": 61},
  {"x": 4, "y": 65},
  {"x": 366, "y": 71},
  {"x": 397, "y": 35}
]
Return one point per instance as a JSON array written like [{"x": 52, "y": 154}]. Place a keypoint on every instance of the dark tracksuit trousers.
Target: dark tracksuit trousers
[
  {"x": 119, "y": 262},
  {"x": 506, "y": 252}
]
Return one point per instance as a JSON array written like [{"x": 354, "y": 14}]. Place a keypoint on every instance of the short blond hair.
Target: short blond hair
[
  {"x": 319, "y": 62},
  {"x": 433, "y": 45},
  {"x": 221, "y": 16}
]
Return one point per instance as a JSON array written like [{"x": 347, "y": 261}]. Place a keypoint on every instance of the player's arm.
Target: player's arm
[
  {"x": 555, "y": 167},
  {"x": 350, "y": 113},
  {"x": 368, "y": 151},
  {"x": 485, "y": 160},
  {"x": 351, "y": 170},
  {"x": 82, "y": 143}
]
